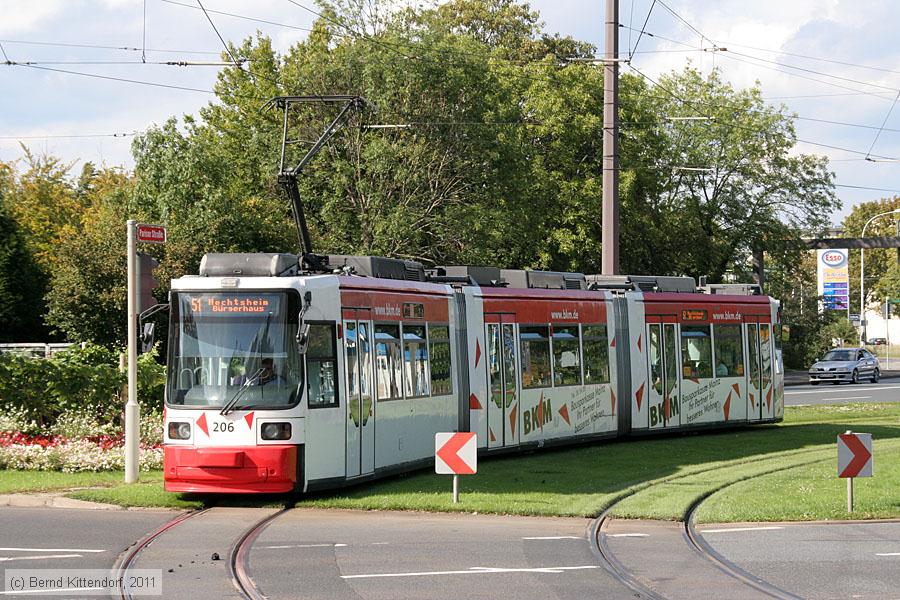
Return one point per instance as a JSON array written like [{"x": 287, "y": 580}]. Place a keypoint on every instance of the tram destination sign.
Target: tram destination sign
[{"x": 151, "y": 234}]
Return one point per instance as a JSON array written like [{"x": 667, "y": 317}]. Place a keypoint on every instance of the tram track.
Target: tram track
[
  {"x": 694, "y": 540},
  {"x": 699, "y": 543},
  {"x": 239, "y": 557},
  {"x": 127, "y": 558},
  {"x": 237, "y": 566}
]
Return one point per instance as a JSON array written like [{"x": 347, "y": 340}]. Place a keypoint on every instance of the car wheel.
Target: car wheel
[
  {"x": 855, "y": 377},
  {"x": 876, "y": 374}
]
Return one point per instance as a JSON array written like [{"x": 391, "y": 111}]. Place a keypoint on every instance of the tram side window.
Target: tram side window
[
  {"x": 321, "y": 366},
  {"x": 388, "y": 365},
  {"x": 596, "y": 354},
  {"x": 729, "y": 351},
  {"x": 696, "y": 352},
  {"x": 566, "y": 355},
  {"x": 439, "y": 347},
  {"x": 415, "y": 361},
  {"x": 535, "y": 344}
]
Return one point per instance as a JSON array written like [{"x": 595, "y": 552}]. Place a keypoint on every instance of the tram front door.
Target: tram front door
[
  {"x": 503, "y": 407},
  {"x": 360, "y": 414}
]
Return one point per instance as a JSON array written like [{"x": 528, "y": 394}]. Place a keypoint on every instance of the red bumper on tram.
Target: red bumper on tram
[{"x": 244, "y": 470}]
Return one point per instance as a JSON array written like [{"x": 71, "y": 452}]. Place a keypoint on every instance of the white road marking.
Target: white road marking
[
  {"x": 474, "y": 571},
  {"x": 44, "y": 557},
  {"x": 627, "y": 535},
  {"x": 49, "y": 550},
  {"x": 888, "y": 554},
  {"x": 42, "y": 591},
  {"x": 851, "y": 398},
  {"x": 839, "y": 390},
  {"x": 304, "y": 546},
  {"x": 739, "y": 529},
  {"x": 555, "y": 537}
]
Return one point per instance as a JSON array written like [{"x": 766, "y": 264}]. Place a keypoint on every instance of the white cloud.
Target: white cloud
[{"x": 21, "y": 17}]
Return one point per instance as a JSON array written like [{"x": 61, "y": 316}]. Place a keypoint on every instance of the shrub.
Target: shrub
[{"x": 78, "y": 381}]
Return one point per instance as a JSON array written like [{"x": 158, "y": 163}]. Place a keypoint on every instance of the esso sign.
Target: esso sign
[{"x": 833, "y": 258}]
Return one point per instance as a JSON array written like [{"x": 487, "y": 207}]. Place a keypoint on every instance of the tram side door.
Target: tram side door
[
  {"x": 360, "y": 417},
  {"x": 759, "y": 357},
  {"x": 503, "y": 406},
  {"x": 662, "y": 369}
]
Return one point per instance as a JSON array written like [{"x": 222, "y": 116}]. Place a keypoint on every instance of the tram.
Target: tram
[{"x": 290, "y": 374}]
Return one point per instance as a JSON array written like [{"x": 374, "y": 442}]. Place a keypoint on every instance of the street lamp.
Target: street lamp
[{"x": 862, "y": 284}]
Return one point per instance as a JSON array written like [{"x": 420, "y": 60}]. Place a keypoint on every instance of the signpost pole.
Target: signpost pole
[
  {"x": 849, "y": 494},
  {"x": 132, "y": 409},
  {"x": 455, "y": 489}
]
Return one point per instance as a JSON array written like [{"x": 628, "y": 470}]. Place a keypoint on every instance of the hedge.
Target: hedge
[{"x": 76, "y": 380}]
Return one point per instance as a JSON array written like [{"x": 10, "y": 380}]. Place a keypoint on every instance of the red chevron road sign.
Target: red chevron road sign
[
  {"x": 455, "y": 453},
  {"x": 854, "y": 454}
]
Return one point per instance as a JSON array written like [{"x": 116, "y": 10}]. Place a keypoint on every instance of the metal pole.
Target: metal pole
[
  {"x": 849, "y": 494},
  {"x": 132, "y": 410},
  {"x": 455, "y": 489},
  {"x": 862, "y": 294},
  {"x": 609, "y": 263}
]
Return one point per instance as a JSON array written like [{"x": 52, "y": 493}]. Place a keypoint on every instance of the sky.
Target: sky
[{"x": 825, "y": 60}]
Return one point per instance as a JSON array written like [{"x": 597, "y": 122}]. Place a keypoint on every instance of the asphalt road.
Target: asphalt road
[
  {"x": 49, "y": 538},
  {"x": 886, "y": 390},
  {"x": 841, "y": 560},
  {"x": 319, "y": 554}
]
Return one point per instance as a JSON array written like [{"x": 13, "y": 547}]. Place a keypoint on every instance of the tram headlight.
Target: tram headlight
[
  {"x": 276, "y": 431},
  {"x": 179, "y": 430}
]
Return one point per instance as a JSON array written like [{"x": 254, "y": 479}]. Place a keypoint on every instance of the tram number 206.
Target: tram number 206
[{"x": 223, "y": 426}]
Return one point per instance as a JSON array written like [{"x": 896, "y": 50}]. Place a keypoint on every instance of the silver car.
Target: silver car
[{"x": 845, "y": 364}]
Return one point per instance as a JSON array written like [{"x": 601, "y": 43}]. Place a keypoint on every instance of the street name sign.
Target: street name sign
[
  {"x": 151, "y": 234},
  {"x": 455, "y": 453},
  {"x": 854, "y": 454}
]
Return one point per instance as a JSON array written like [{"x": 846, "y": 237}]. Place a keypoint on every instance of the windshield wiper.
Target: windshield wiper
[{"x": 232, "y": 402}]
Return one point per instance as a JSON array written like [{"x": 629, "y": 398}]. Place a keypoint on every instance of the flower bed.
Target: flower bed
[
  {"x": 76, "y": 443},
  {"x": 74, "y": 456}
]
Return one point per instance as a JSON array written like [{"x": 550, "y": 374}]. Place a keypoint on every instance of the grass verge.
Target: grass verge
[
  {"x": 12, "y": 482},
  {"x": 661, "y": 477}
]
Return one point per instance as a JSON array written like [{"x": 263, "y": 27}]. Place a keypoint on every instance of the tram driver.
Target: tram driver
[{"x": 267, "y": 374}]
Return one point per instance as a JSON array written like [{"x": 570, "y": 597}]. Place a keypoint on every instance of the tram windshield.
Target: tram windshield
[{"x": 224, "y": 341}]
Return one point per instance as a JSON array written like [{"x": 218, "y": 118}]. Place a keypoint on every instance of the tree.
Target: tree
[
  {"x": 878, "y": 261},
  {"x": 723, "y": 178},
  {"x": 21, "y": 281}
]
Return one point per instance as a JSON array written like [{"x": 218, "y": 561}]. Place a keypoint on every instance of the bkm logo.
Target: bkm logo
[{"x": 834, "y": 258}]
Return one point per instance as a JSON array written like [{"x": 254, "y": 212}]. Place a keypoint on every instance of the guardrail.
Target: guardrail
[{"x": 35, "y": 349}]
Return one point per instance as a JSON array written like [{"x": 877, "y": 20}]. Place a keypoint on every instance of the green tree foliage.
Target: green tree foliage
[
  {"x": 21, "y": 280},
  {"x": 87, "y": 299},
  {"x": 880, "y": 284},
  {"x": 723, "y": 178},
  {"x": 497, "y": 159}
]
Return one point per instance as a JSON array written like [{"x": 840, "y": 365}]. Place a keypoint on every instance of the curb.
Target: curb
[{"x": 52, "y": 501}]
